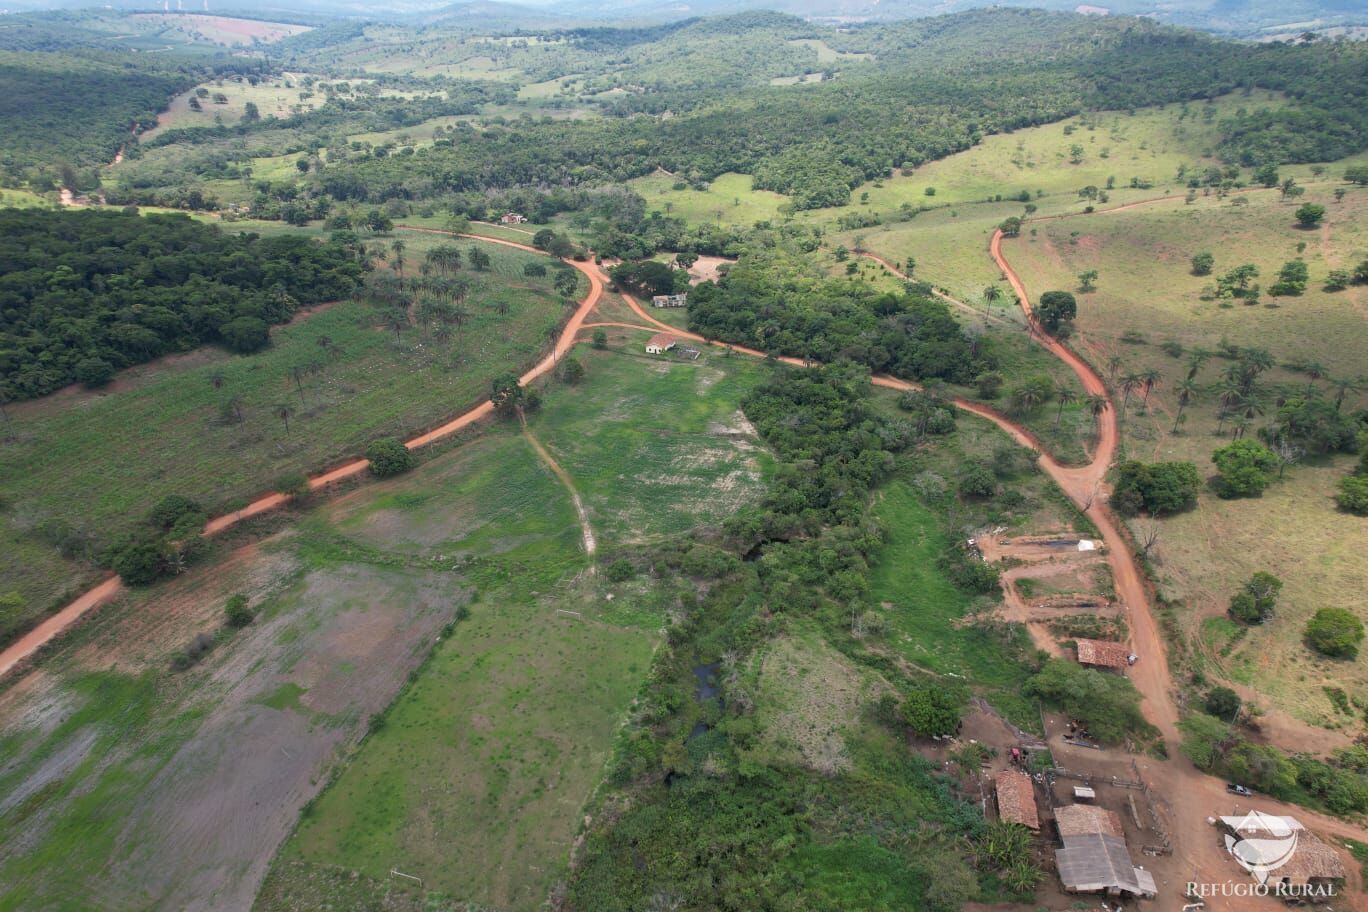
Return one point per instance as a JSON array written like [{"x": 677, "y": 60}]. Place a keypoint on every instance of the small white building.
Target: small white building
[
  {"x": 674, "y": 300},
  {"x": 512, "y": 218},
  {"x": 660, "y": 343}
]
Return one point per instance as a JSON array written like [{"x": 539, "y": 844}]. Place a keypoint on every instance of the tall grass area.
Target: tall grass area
[{"x": 83, "y": 466}]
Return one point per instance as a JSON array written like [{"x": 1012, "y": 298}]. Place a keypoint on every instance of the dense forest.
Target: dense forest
[
  {"x": 771, "y": 300},
  {"x": 64, "y": 115},
  {"x": 84, "y": 293}
]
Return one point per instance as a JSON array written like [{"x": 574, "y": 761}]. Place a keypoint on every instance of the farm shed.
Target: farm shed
[
  {"x": 1016, "y": 799},
  {"x": 660, "y": 343},
  {"x": 1101, "y": 654},
  {"x": 672, "y": 300},
  {"x": 1100, "y": 863}
]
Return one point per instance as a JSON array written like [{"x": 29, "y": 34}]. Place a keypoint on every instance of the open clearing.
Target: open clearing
[
  {"x": 85, "y": 465},
  {"x": 1147, "y": 295},
  {"x": 512, "y": 720},
  {"x": 728, "y": 200},
  {"x": 221, "y": 30}
]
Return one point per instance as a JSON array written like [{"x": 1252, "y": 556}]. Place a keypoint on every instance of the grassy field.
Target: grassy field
[
  {"x": 728, "y": 200},
  {"x": 514, "y": 715},
  {"x": 86, "y": 465},
  {"x": 672, "y": 452},
  {"x": 1147, "y": 297}
]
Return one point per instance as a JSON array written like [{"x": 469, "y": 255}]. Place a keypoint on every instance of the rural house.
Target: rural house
[
  {"x": 1100, "y": 863},
  {"x": 1298, "y": 861},
  {"x": 1101, "y": 654},
  {"x": 673, "y": 300},
  {"x": 660, "y": 343},
  {"x": 512, "y": 218},
  {"x": 1016, "y": 799}
]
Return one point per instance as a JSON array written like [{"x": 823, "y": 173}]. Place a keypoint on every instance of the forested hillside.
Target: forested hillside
[{"x": 85, "y": 293}]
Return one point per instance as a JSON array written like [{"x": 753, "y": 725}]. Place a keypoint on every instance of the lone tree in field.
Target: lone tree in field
[
  {"x": 1310, "y": 215},
  {"x": 388, "y": 456},
  {"x": 1203, "y": 263},
  {"x": 506, "y": 394},
  {"x": 1254, "y": 603},
  {"x": 1087, "y": 280},
  {"x": 1335, "y": 632},
  {"x": 283, "y": 412},
  {"x": 1056, "y": 308}
]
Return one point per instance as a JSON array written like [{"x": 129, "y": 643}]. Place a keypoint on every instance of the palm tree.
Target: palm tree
[
  {"x": 397, "y": 248},
  {"x": 1229, "y": 397},
  {"x": 1187, "y": 390},
  {"x": 1113, "y": 365},
  {"x": 1342, "y": 388},
  {"x": 1239, "y": 426},
  {"x": 1195, "y": 361},
  {"x": 1027, "y": 398},
  {"x": 1063, "y": 396},
  {"x": 1129, "y": 384},
  {"x": 1097, "y": 405},
  {"x": 216, "y": 380},
  {"x": 397, "y": 320},
  {"x": 283, "y": 412},
  {"x": 1149, "y": 379}
]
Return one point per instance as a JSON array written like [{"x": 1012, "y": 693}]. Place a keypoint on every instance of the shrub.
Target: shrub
[
  {"x": 1223, "y": 703},
  {"x": 1202, "y": 264},
  {"x": 236, "y": 612},
  {"x": 171, "y": 510},
  {"x": 1335, "y": 632},
  {"x": 933, "y": 710},
  {"x": 1245, "y": 468},
  {"x": 1352, "y": 496},
  {"x": 989, "y": 384},
  {"x": 1254, "y": 603},
  {"x": 1157, "y": 488},
  {"x": 968, "y": 571},
  {"x": 138, "y": 562},
  {"x": 619, "y": 571},
  {"x": 976, "y": 481},
  {"x": 388, "y": 456},
  {"x": 293, "y": 484}
]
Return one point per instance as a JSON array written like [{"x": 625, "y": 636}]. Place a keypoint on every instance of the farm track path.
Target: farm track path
[
  {"x": 586, "y": 530},
  {"x": 1193, "y": 795}
]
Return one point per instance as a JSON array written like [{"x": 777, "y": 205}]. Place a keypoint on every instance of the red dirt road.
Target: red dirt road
[{"x": 29, "y": 644}]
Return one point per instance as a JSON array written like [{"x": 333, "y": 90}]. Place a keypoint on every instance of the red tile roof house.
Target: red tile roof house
[
  {"x": 1016, "y": 799},
  {"x": 660, "y": 343}
]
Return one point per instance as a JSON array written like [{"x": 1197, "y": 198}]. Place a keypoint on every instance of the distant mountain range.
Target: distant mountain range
[{"x": 1250, "y": 18}]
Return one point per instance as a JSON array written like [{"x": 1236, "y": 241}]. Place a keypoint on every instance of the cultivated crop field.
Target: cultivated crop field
[
  {"x": 85, "y": 465},
  {"x": 1147, "y": 297}
]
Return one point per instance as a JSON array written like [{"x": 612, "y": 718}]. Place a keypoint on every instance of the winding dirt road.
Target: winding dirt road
[
  {"x": 1193, "y": 795},
  {"x": 31, "y": 642}
]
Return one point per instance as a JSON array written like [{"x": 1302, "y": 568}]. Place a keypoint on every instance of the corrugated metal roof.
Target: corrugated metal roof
[{"x": 1097, "y": 863}]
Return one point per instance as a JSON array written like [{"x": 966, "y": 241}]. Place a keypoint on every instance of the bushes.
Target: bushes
[
  {"x": 1335, "y": 632},
  {"x": 1245, "y": 468},
  {"x": 168, "y": 538},
  {"x": 968, "y": 571},
  {"x": 1109, "y": 704},
  {"x": 1352, "y": 496},
  {"x": 1157, "y": 488},
  {"x": 1255, "y": 602},
  {"x": 388, "y": 457},
  {"x": 236, "y": 612},
  {"x": 933, "y": 710}
]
